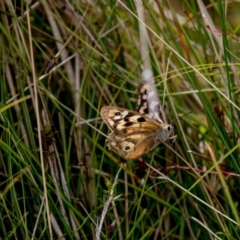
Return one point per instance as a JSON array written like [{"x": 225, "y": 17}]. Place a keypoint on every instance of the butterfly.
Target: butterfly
[{"x": 134, "y": 133}]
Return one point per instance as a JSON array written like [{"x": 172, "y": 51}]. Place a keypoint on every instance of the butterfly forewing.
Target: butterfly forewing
[
  {"x": 148, "y": 102},
  {"x": 126, "y": 121}
]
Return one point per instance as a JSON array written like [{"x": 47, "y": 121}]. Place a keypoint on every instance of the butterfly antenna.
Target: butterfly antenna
[
  {"x": 186, "y": 114},
  {"x": 183, "y": 115}
]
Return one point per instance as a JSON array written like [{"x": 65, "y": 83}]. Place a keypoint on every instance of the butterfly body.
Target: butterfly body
[{"x": 133, "y": 134}]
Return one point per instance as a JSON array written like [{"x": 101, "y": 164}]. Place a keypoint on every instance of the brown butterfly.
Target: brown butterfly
[{"x": 135, "y": 133}]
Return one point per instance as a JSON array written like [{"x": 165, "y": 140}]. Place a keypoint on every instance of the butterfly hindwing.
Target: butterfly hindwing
[{"x": 129, "y": 147}]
